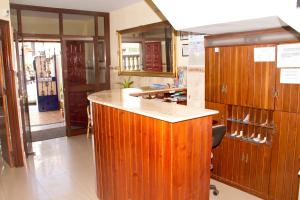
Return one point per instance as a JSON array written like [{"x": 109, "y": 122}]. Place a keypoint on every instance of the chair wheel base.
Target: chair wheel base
[
  {"x": 214, "y": 189},
  {"x": 216, "y": 192}
]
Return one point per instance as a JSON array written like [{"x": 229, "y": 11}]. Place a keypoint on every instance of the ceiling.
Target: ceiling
[
  {"x": 217, "y": 16},
  {"x": 90, "y": 5}
]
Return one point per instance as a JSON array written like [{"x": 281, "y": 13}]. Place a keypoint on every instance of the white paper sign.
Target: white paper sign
[
  {"x": 290, "y": 76},
  {"x": 196, "y": 51},
  {"x": 264, "y": 54},
  {"x": 288, "y": 55}
]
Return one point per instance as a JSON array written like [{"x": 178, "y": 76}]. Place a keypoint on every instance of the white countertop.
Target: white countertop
[{"x": 170, "y": 112}]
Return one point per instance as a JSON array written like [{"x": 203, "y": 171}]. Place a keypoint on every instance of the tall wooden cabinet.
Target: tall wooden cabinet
[
  {"x": 236, "y": 86},
  {"x": 284, "y": 182}
]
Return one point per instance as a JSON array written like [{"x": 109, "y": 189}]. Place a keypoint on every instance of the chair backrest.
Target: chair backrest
[{"x": 218, "y": 133}]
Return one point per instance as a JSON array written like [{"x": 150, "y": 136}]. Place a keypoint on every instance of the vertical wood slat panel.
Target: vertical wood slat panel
[
  {"x": 284, "y": 180},
  {"x": 289, "y": 96},
  {"x": 212, "y": 76},
  {"x": 139, "y": 157},
  {"x": 261, "y": 82},
  {"x": 248, "y": 83}
]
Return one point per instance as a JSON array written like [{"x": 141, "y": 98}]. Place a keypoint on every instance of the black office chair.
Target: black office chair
[{"x": 218, "y": 133}]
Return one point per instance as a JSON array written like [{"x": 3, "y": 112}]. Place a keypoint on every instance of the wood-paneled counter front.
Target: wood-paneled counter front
[{"x": 145, "y": 149}]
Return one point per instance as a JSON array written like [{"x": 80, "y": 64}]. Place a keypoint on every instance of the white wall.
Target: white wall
[
  {"x": 4, "y": 5},
  {"x": 141, "y": 14},
  {"x": 132, "y": 16}
]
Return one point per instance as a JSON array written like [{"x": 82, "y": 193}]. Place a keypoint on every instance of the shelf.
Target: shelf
[
  {"x": 246, "y": 140},
  {"x": 249, "y": 123}
]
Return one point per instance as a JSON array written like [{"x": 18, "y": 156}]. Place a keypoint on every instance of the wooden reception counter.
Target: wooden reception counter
[{"x": 150, "y": 150}]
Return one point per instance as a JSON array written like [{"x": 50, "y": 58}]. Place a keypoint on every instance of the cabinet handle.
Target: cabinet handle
[
  {"x": 275, "y": 92},
  {"x": 224, "y": 88},
  {"x": 247, "y": 158}
]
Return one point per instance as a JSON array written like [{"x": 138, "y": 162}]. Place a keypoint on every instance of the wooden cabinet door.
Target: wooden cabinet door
[
  {"x": 243, "y": 81},
  {"x": 235, "y": 74},
  {"x": 288, "y": 99},
  {"x": 223, "y": 157},
  {"x": 284, "y": 182},
  {"x": 258, "y": 169},
  {"x": 212, "y": 75},
  {"x": 261, "y": 82}
]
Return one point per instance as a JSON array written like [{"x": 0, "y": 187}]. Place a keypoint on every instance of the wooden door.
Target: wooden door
[
  {"x": 288, "y": 99},
  {"x": 213, "y": 83},
  {"x": 5, "y": 142},
  {"x": 10, "y": 76},
  {"x": 153, "y": 56},
  {"x": 79, "y": 80},
  {"x": 24, "y": 105},
  {"x": 234, "y": 63},
  {"x": 258, "y": 169},
  {"x": 261, "y": 82},
  {"x": 284, "y": 182}
]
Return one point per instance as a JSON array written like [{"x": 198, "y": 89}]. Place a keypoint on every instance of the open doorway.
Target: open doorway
[{"x": 44, "y": 82}]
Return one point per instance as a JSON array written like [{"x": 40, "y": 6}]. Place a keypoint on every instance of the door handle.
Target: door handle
[{"x": 224, "y": 88}]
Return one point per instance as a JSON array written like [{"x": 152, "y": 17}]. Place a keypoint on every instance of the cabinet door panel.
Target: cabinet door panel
[
  {"x": 212, "y": 76},
  {"x": 288, "y": 99},
  {"x": 261, "y": 83},
  {"x": 259, "y": 168},
  {"x": 234, "y": 70},
  {"x": 285, "y": 162},
  {"x": 245, "y": 166}
]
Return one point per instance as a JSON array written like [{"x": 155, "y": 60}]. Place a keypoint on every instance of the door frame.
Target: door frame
[
  {"x": 17, "y": 153},
  {"x": 7, "y": 157}
]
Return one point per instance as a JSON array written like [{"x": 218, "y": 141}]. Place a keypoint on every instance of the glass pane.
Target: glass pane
[
  {"x": 80, "y": 63},
  {"x": 89, "y": 63},
  {"x": 100, "y": 26},
  {"x": 40, "y": 22},
  {"x": 81, "y": 25},
  {"x": 14, "y": 19},
  {"x": 101, "y": 61},
  {"x": 149, "y": 50}
]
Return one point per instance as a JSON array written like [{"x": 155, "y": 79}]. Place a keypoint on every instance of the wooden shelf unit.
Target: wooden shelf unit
[{"x": 235, "y": 85}]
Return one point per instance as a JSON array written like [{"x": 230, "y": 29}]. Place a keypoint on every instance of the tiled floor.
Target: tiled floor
[
  {"x": 63, "y": 170},
  {"x": 42, "y": 118}
]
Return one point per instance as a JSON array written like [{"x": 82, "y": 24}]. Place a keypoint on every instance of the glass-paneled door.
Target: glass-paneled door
[{"x": 80, "y": 79}]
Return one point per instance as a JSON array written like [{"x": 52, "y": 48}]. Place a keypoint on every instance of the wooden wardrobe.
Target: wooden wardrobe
[{"x": 237, "y": 86}]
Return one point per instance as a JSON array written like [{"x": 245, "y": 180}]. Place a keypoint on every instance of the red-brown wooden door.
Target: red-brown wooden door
[
  {"x": 153, "y": 57},
  {"x": 5, "y": 142},
  {"x": 79, "y": 81}
]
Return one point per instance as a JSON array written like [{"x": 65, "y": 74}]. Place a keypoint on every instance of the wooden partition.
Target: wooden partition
[{"x": 139, "y": 157}]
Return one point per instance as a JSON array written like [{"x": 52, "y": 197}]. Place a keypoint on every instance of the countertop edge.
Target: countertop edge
[{"x": 207, "y": 112}]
